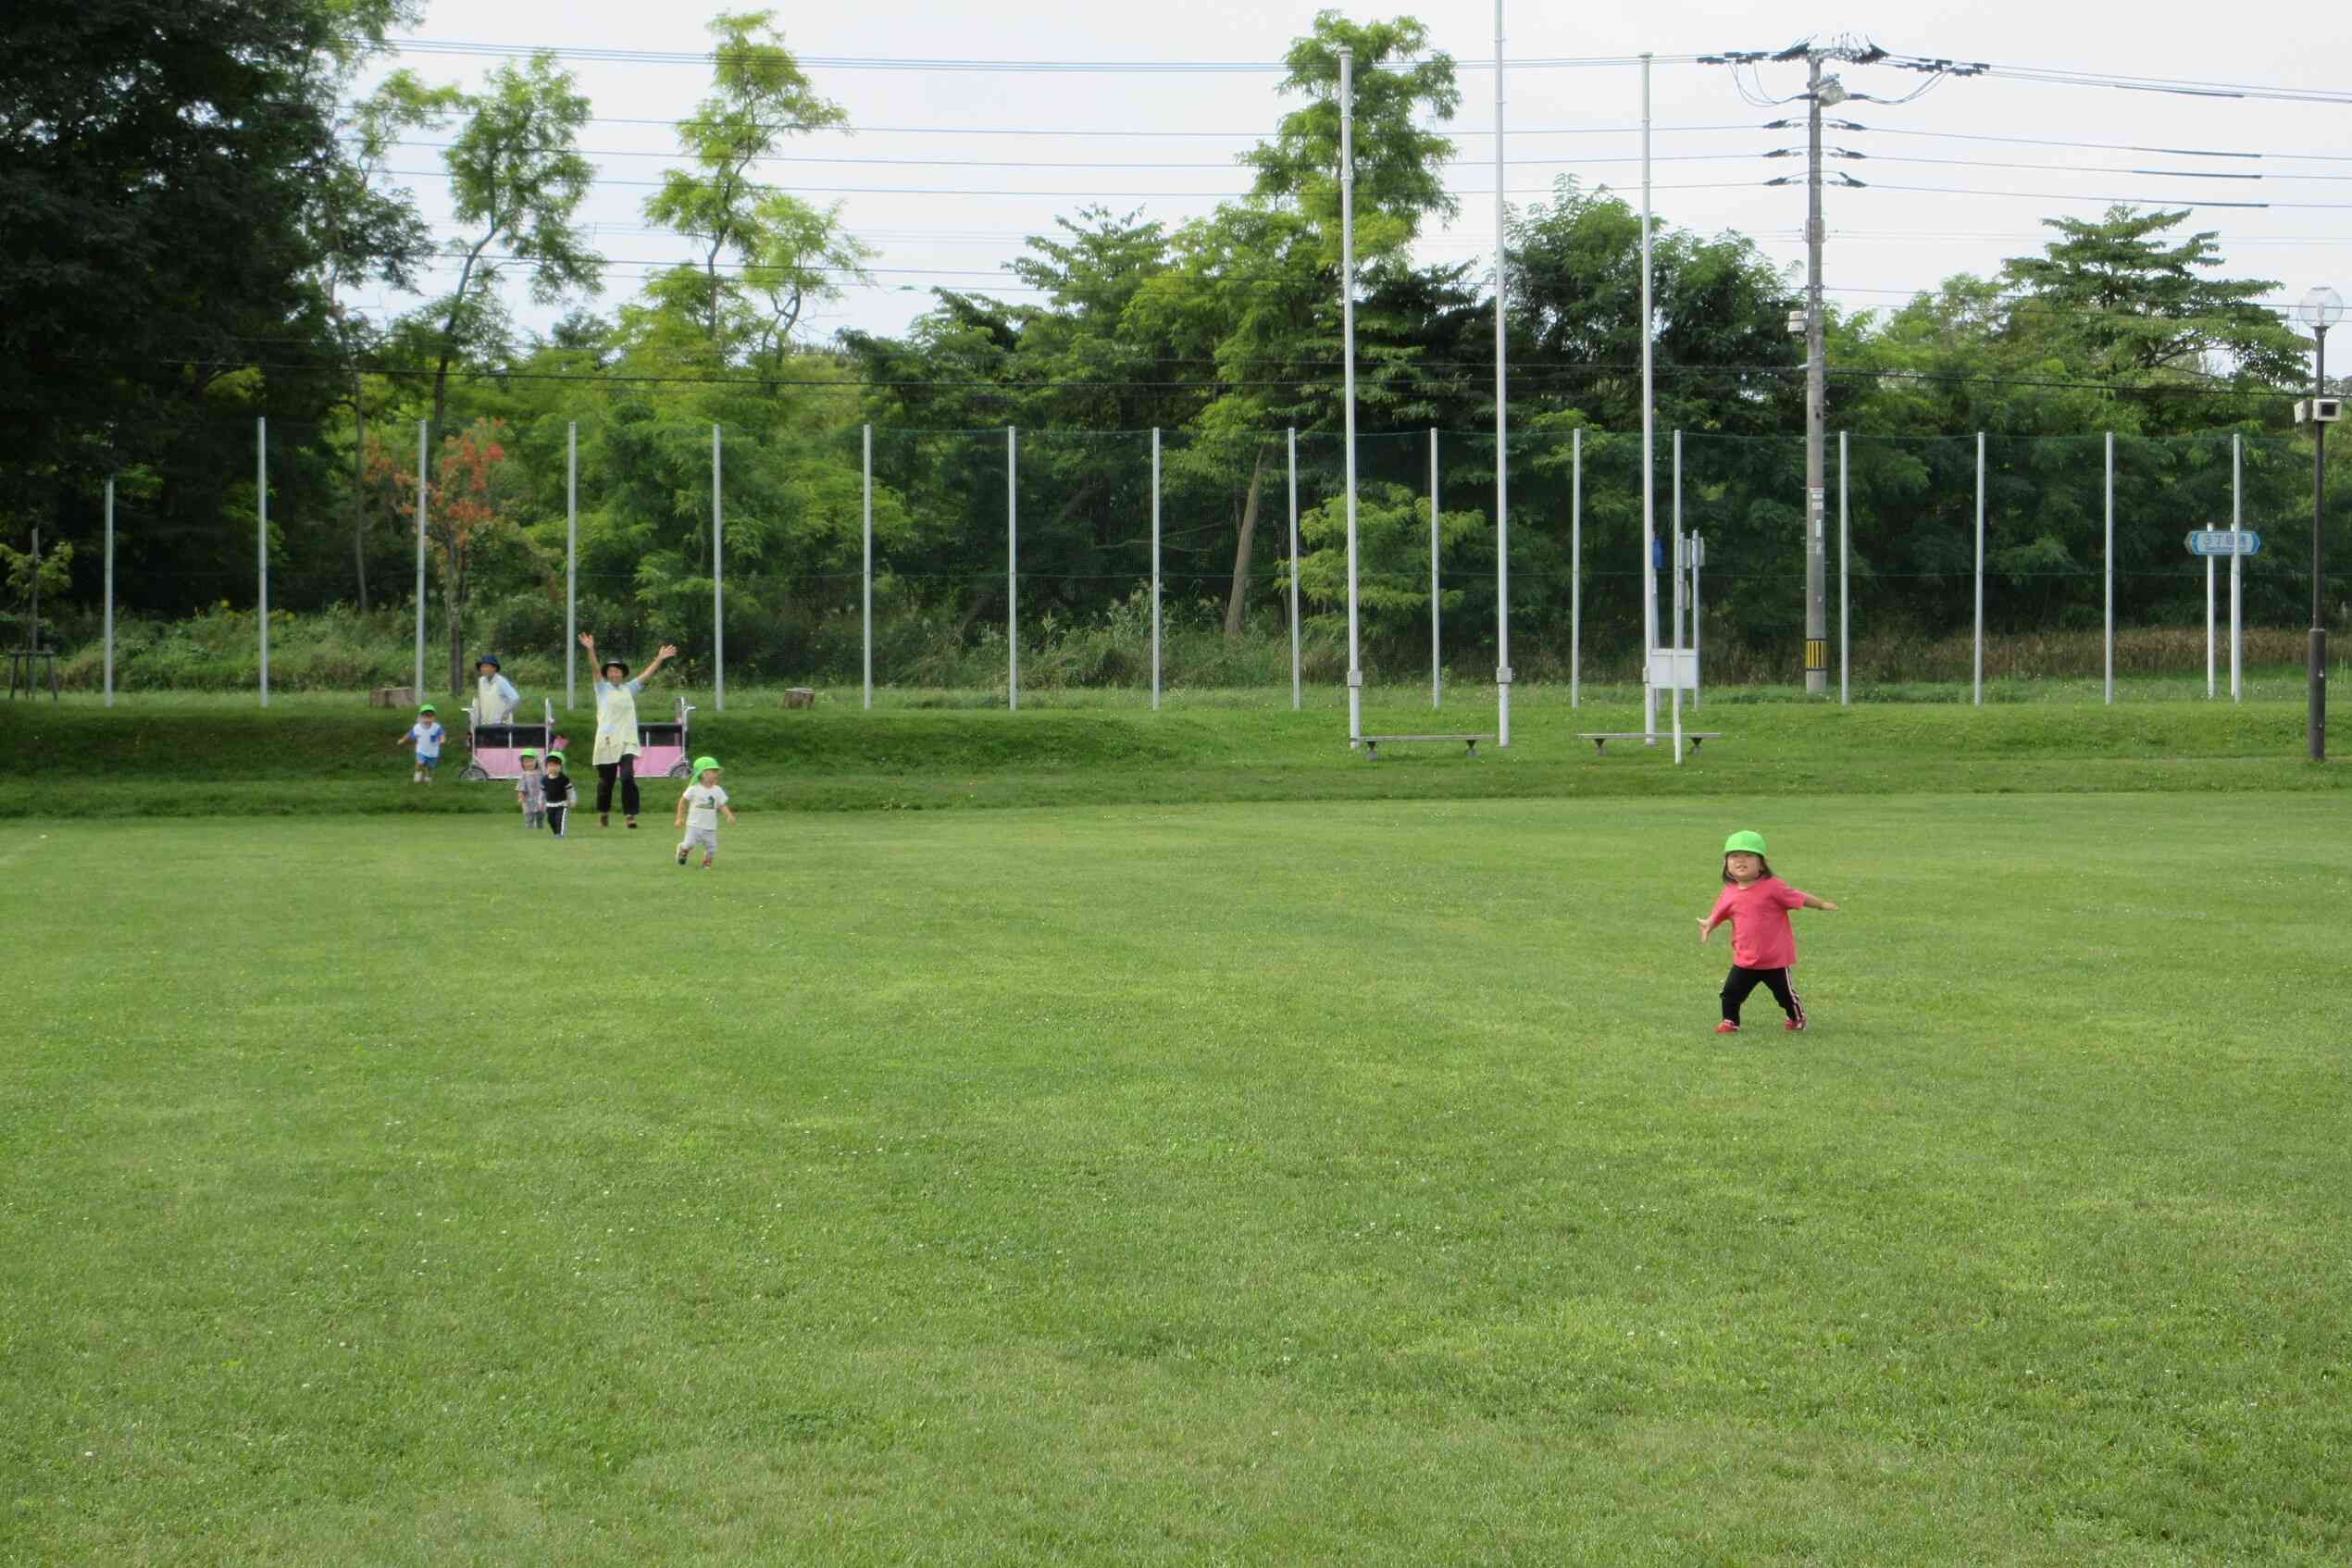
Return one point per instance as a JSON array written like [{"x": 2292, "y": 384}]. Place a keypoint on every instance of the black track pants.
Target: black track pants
[{"x": 1739, "y": 982}]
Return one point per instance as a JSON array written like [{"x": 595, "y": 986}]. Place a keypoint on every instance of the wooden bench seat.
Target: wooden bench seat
[
  {"x": 1601, "y": 737},
  {"x": 1372, "y": 743}
]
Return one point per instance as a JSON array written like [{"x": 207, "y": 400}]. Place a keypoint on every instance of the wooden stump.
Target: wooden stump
[
  {"x": 800, "y": 697},
  {"x": 392, "y": 697}
]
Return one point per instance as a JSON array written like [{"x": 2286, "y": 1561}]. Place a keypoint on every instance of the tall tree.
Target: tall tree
[
  {"x": 517, "y": 178},
  {"x": 160, "y": 168},
  {"x": 791, "y": 249}
]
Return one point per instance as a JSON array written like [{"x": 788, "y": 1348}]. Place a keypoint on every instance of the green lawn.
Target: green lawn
[
  {"x": 1321, "y": 1182},
  {"x": 333, "y": 756}
]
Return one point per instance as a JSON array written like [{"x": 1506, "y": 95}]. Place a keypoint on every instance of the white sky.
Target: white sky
[{"x": 1886, "y": 243}]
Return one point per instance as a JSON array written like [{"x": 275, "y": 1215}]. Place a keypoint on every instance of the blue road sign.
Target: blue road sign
[{"x": 2224, "y": 541}]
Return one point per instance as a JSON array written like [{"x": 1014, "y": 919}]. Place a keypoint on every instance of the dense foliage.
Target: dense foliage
[{"x": 194, "y": 190}]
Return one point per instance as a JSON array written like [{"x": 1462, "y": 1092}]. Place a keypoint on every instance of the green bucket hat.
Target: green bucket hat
[
  {"x": 426, "y": 709},
  {"x": 704, "y": 765},
  {"x": 555, "y": 756},
  {"x": 1744, "y": 843},
  {"x": 530, "y": 753}
]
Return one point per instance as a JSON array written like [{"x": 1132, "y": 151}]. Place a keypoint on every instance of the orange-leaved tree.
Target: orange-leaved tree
[{"x": 470, "y": 507}]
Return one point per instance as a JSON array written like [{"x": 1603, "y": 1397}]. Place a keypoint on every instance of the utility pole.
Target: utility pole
[
  {"x": 2320, "y": 310},
  {"x": 1816, "y": 376},
  {"x": 1822, "y": 93}
]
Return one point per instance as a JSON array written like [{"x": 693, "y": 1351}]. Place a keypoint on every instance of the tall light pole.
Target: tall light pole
[
  {"x": 1824, "y": 92},
  {"x": 2320, "y": 310}
]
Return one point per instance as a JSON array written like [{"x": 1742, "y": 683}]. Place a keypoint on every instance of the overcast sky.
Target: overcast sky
[{"x": 924, "y": 180}]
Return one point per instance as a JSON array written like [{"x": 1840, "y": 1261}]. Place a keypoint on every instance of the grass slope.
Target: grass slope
[
  {"x": 1304, "y": 1183},
  {"x": 330, "y": 756}
]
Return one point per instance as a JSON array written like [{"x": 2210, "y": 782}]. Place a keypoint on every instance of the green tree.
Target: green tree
[
  {"x": 517, "y": 178},
  {"x": 789, "y": 251},
  {"x": 164, "y": 165}
]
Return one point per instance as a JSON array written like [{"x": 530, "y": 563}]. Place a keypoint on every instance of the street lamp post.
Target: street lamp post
[{"x": 2320, "y": 310}]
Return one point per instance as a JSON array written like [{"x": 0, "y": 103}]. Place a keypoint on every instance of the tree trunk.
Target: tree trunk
[
  {"x": 456, "y": 598},
  {"x": 1235, "y": 606},
  {"x": 449, "y": 328},
  {"x": 358, "y": 501}
]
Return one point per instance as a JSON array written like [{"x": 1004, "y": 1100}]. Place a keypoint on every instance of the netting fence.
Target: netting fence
[{"x": 1009, "y": 562}]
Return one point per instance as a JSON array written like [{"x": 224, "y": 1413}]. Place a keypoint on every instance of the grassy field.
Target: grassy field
[
  {"x": 321, "y": 755},
  {"x": 1313, "y": 1182}
]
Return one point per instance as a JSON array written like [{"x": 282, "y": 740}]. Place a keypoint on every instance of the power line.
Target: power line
[{"x": 876, "y": 62}]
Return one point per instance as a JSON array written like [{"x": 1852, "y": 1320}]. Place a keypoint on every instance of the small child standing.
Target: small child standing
[
  {"x": 1764, "y": 946},
  {"x": 530, "y": 790},
  {"x": 555, "y": 793},
  {"x": 698, "y": 809},
  {"x": 425, "y": 735}
]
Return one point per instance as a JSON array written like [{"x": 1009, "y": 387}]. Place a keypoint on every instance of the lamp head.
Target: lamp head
[{"x": 2321, "y": 308}]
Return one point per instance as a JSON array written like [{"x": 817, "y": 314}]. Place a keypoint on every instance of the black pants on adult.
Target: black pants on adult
[
  {"x": 1739, "y": 982},
  {"x": 625, "y": 771}
]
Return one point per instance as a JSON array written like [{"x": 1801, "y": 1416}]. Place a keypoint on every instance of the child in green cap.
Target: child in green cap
[
  {"x": 530, "y": 789},
  {"x": 1763, "y": 945},
  {"x": 698, "y": 811},
  {"x": 555, "y": 791},
  {"x": 426, "y": 736}
]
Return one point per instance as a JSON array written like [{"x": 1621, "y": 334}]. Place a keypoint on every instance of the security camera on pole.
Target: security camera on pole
[{"x": 2320, "y": 310}]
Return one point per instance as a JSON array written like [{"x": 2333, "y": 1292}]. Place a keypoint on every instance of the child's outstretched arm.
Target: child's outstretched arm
[
  {"x": 1812, "y": 903},
  {"x": 729, "y": 812},
  {"x": 681, "y": 810}
]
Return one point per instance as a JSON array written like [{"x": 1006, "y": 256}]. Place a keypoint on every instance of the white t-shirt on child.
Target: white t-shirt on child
[{"x": 703, "y": 801}]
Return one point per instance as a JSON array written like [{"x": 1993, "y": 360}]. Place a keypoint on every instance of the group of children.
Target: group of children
[
  {"x": 1755, "y": 902},
  {"x": 546, "y": 795}
]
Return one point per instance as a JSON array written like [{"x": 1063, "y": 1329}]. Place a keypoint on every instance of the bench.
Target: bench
[
  {"x": 1600, "y": 739},
  {"x": 391, "y": 696},
  {"x": 1372, "y": 743}
]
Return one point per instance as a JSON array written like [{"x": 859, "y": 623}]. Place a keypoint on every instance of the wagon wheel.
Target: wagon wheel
[
  {"x": 679, "y": 770},
  {"x": 473, "y": 775}
]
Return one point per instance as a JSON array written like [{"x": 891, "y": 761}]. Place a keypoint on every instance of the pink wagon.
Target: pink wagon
[
  {"x": 663, "y": 754},
  {"x": 497, "y": 749}
]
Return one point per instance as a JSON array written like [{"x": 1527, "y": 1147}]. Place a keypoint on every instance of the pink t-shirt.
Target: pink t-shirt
[{"x": 1760, "y": 935}]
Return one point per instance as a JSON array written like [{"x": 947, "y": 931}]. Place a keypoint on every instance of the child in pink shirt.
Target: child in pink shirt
[{"x": 1764, "y": 947}]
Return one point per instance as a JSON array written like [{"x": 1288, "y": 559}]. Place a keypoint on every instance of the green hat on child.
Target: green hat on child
[
  {"x": 1744, "y": 843},
  {"x": 555, "y": 756},
  {"x": 704, "y": 765},
  {"x": 530, "y": 753},
  {"x": 426, "y": 709}
]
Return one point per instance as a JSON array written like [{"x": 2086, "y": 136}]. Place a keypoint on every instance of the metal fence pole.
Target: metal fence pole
[
  {"x": 865, "y": 584},
  {"x": 110, "y": 590},
  {"x": 1011, "y": 571},
  {"x": 1697, "y": 559},
  {"x": 1575, "y": 564},
  {"x": 1433, "y": 654},
  {"x": 1977, "y": 679},
  {"x": 1675, "y": 668},
  {"x": 2211, "y": 686},
  {"x": 2108, "y": 565},
  {"x": 1348, "y": 371},
  {"x": 1155, "y": 568},
  {"x": 261, "y": 485},
  {"x": 424, "y": 439},
  {"x": 1673, "y": 598},
  {"x": 718, "y": 591},
  {"x": 571, "y": 566},
  {"x": 1296, "y": 692},
  {"x": 1845, "y": 647},
  {"x": 2237, "y": 630}
]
